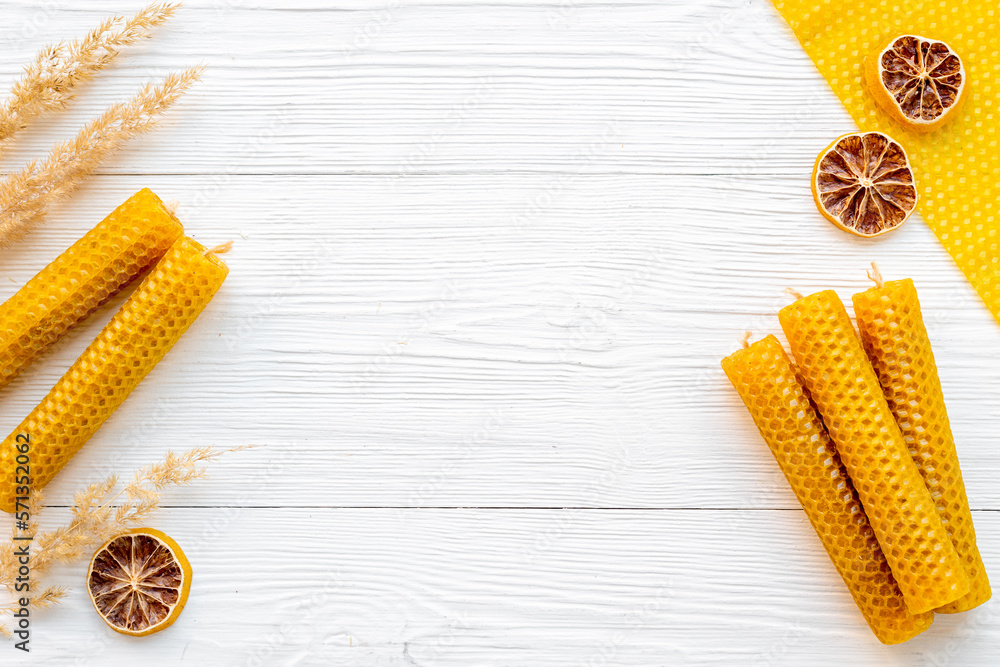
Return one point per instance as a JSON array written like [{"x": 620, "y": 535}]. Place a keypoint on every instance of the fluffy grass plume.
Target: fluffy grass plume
[
  {"x": 26, "y": 195},
  {"x": 51, "y": 80},
  {"x": 100, "y": 511}
]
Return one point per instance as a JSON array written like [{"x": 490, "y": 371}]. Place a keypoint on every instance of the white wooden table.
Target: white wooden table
[{"x": 488, "y": 257}]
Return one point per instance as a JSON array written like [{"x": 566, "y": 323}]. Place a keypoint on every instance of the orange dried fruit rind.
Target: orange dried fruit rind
[
  {"x": 920, "y": 82},
  {"x": 139, "y": 582},
  {"x": 863, "y": 183}
]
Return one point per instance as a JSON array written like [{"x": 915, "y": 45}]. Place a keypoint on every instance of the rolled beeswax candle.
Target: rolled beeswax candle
[
  {"x": 840, "y": 379},
  {"x": 84, "y": 277},
  {"x": 148, "y": 324},
  {"x": 893, "y": 334},
  {"x": 766, "y": 381}
]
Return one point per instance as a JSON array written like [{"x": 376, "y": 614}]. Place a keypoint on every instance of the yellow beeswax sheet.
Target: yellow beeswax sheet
[{"x": 957, "y": 166}]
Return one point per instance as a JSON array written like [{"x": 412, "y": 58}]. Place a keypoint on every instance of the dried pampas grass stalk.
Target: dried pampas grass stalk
[
  {"x": 99, "y": 513},
  {"x": 26, "y": 195},
  {"x": 50, "y": 81},
  {"x": 46, "y": 597}
]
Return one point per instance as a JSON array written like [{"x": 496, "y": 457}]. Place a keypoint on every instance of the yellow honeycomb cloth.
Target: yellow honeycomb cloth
[
  {"x": 151, "y": 320},
  {"x": 893, "y": 334},
  {"x": 766, "y": 381},
  {"x": 957, "y": 166}
]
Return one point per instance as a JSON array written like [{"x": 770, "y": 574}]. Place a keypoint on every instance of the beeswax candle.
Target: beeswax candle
[
  {"x": 148, "y": 324},
  {"x": 83, "y": 278},
  {"x": 766, "y": 381},
  {"x": 893, "y": 334},
  {"x": 840, "y": 379}
]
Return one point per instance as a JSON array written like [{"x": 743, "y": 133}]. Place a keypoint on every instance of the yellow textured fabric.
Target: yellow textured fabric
[
  {"x": 893, "y": 333},
  {"x": 957, "y": 166},
  {"x": 84, "y": 277},
  {"x": 839, "y": 377},
  {"x": 766, "y": 381},
  {"x": 148, "y": 324}
]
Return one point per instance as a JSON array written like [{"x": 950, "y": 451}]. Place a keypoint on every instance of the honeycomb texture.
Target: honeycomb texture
[
  {"x": 148, "y": 324},
  {"x": 847, "y": 394},
  {"x": 766, "y": 381},
  {"x": 957, "y": 166},
  {"x": 84, "y": 277},
  {"x": 893, "y": 334}
]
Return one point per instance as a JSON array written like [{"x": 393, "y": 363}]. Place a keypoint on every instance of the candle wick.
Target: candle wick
[
  {"x": 745, "y": 339},
  {"x": 220, "y": 249},
  {"x": 794, "y": 292},
  {"x": 875, "y": 276}
]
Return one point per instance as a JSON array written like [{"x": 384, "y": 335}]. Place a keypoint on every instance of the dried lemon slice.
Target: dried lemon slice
[
  {"x": 139, "y": 582},
  {"x": 921, "y": 82},
  {"x": 863, "y": 183}
]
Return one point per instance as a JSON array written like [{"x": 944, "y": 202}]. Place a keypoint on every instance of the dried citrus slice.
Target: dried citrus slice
[
  {"x": 921, "y": 82},
  {"x": 863, "y": 183},
  {"x": 139, "y": 582}
]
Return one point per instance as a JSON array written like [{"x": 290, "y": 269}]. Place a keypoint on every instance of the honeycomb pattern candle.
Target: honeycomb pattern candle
[
  {"x": 80, "y": 280},
  {"x": 843, "y": 385},
  {"x": 893, "y": 334},
  {"x": 148, "y": 324},
  {"x": 766, "y": 381}
]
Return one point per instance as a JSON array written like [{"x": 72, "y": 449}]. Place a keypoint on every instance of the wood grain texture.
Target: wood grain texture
[
  {"x": 487, "y": 258},
  {"x": 386, "y": 86},
  {"x": 464, "y": 587}
]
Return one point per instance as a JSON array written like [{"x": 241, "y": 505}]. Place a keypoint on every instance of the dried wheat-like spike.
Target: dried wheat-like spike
[
  {"x": 50, "y": 81},
  {"x": 26, "y": 195},
  {"x": 151, "y": 320},
  {"x": 96, "y": 520}
]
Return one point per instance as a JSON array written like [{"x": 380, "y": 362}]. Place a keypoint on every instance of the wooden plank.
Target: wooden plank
[
  {"x": 481, "y": 587},
  {"x": 412, "y": 344},
  {"x": 637, "y": 87},
  {"x": 488, "y": 257}
]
